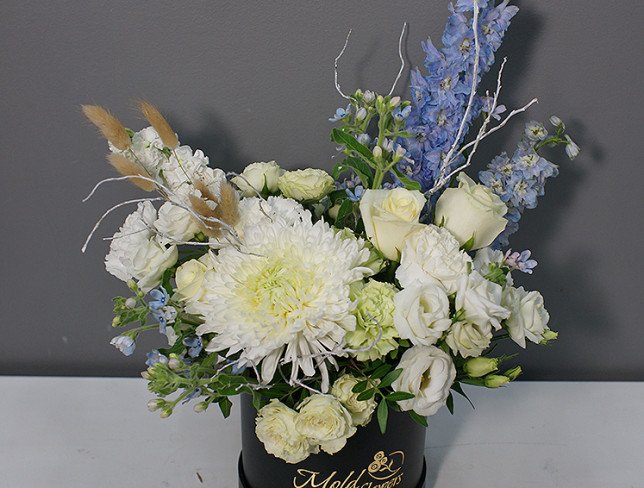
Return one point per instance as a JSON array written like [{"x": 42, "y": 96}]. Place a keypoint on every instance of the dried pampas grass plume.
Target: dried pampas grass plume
[
  {"x": 226, "y": 209},
  {"x": 110, "y": 126},
  {"x": 160, "y": 124},
  {"x": 129, "y": 168}
]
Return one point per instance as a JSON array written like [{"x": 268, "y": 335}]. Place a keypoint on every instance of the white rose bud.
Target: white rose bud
[
  {"x": 323, "y": 419},
  {"x": 256, "y": 176},
  {"x": 427, "y": 372},
  {"x": 389, "y": 216},
  {"x": 189, "y": 278},
  {"x": 306, "y": 184},
  {"x": 422, "y": 313},
  {"x": 468, "y": 340},
  {"x": 360, "y": 410},
  {"x": 275, "y": 428},
  {"x": 471, "y": 211},
  {"x": 528, "y": 316}
]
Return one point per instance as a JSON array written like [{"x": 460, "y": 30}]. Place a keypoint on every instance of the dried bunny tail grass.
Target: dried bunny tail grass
[
  {"x": 160, "y": 124},
  {"x": 128, "y": 168},
  {"x": 110, "y": 126},
  {"x": 226, "y": 209}
]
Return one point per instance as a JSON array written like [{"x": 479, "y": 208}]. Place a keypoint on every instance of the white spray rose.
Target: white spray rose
[
  {"x": 428, "y": 372},
  {"x": 479, "y": 301},
  {"x": 468, "y": 340},
  {"x": 256, "y": 176},
  {"x": 175, "y": 224},
  {"x": 275, "y": 428},
  {"x": 528, "y": 318},
  {"x": 389, "y": 216},
  {"x": 422, "y": 313},
  {"x": 360, "y": 411},
  {"x": 432, "y": 255},
  {"x": 306, "y": 184},
  {"x": 189, "y": 278},
  {"x": 471, "y": 210},
  {"x": 323, "y": 419}
]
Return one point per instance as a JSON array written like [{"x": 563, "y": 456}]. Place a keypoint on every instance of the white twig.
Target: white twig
[
  {"x": 119, "y": 178},
  {"x": 402, "y": 60},
  {"x": 335, "y": 67}
]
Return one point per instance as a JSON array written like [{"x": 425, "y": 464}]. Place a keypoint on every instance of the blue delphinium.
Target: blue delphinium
[{"x": 440, "y": 97}]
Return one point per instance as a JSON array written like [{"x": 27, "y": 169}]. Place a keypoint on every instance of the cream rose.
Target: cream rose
[
  {"x": 275, "y": 428},
  {"x": 479, "y": 301},
  {"x": 306, "y": 184},
  {"x": 389, "y": 216},
  {"x": 421, "y": 313},
  {"x": 427, "y": 372},
  {"x": 360, "y": 411},
  {"x": 189, "y": 278},
  {"x": 257, "y": 176},
  {"x": 468, "y": 340},
  {"x": 323, "y": 420},
  {"x": 471, "y": 211},
  {"x": 528, "y": 318}
]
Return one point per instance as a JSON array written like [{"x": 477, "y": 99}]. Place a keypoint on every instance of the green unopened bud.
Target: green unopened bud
[
  {"x": 175, "y": 364},
  {"x": 116, "y": 321},
  {"x": 361, "y": 114},
  {"x": 513, "y": 373},
  {"x": 496, "y": 380},
  {"x": 145, "y": 375},
  {"x": 166, "y": 412},
  {"x": 200, "y": 407},
  {"x": 131, "y": 284},
  {"x": 155, "y": 404},
  {"x": 377, "y": 152},
  {"x": 369, "y": 96},
  {"x": 549, "y": 335},
  {"x": 358, "y": 93},
  {"x": 477, "y": 367}
]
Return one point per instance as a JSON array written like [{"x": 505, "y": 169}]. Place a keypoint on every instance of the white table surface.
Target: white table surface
[{"x": 97, "y": 432}]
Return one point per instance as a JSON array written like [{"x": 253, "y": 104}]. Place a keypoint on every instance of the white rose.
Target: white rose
[
  {"x": 175, "y": 224},
  {"x": 479, "y": 300},
  {"x": 389, "y": 216},
  {"x": 428, "y": 372},
  {"x": 468, "y": 340},
  {"x": 323, "y": 419},
  {"x": 422, "y": 313},
  {"x": 432, "y": 255},
  {"x": 256, "y": 176},
  {"x": 471, "y": 211},
  {"x": 275, "y": 428},
  {"x": 360, "y": 411},
  {"x": 528, "y": 318},
  {"x": 189, "y": 278},
  {"x": 306, "y": 184}
]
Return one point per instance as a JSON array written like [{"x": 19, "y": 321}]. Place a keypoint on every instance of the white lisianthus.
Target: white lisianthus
[
  {"x": 257, "y": 176},
  {"x": 432, "y": 255},
  {"x": 468, "y": 340},
  {"x": 175, "y": 224},
  {"x": 528, "y": 318},
  {"x": 471, "y": 211},
  {"x": 422, "y": 313},
  {"x": 389, "y": 216},
  {"x": 189, "y": 278},
  {"x": 479, "y": 301},
  {"x": 136, "y": 253},
  {"x": 360, "y": 410},
  {"x": 306, "y": 184},
  {"x": 324, "y": 420},
  {"x": 427, "y": 372},
  {"x": 275, "y": 428}
]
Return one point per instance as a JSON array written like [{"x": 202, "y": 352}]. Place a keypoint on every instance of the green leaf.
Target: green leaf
[
  {"x": 397, "y": 396},
  {"x": 345, "y": 210},
  {"x": 381, "y": 371},
  {"x": 450, "y": 404},
  {"x": 225, "y": 405},
  {"x": 419, "y": 419},
  {"x": 468, "y": 245},
  {"x": 360, "y": 387},
  {"x": 366, "y": 395},
  {"x": 407, "y": 183},
  {"x": 341, "y": 137},
  {"x": 390, "y": 378},
  {"x": 382, "y": 414},
  {"x": 459, "y": 389}
]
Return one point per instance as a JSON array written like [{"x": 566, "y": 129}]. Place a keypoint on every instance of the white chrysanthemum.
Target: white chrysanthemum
[
  {"x": 135, "y": 251},
  {"x": 284, "y": 295}
]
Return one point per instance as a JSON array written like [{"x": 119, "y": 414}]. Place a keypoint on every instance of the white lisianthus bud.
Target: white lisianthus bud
[
  {"x": 471, "y": 212},
  {"x": 256, "y": 176},
  {"x": 389, "y": 216},
  {"x": 116, "y": 321},
  {"x": 360, "y": 411},
  {"x": 361, "y": 114},
  {"x": 166, "y": 412},
  {"x": 323, "y": 419},
  {"x": 393, "y": 103},
  {"x": 513, "y": 373},
  {"x": 305, "y": 185},
  {"x": 477, "y": 367},
  {"x": 496, "y": 380}
]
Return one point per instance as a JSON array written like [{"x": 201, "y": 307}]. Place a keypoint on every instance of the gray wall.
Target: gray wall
[{"x": 249, "y": 81}]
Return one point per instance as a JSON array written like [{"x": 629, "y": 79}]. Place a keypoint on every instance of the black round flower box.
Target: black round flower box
[{"x": 369, "y": 459}]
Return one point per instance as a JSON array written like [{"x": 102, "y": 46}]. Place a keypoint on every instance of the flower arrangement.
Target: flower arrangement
[{"x": 332, "y": 298}]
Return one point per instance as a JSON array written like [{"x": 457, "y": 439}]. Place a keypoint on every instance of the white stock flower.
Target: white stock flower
[
  {"x": 306, "y": 184},
  {"x": 432, "y": 255},
  {"x": 323, "y": 420},
  {"x": 427, "y": 372},
  {"x": 147, "y": 147},
  {"x": 479, "y": 301},
  {"x": 275, "y": 428},
  {"x": 256, "y": 176},
  {"x": 136, "y": 253},
  {"x": 184, "y": 168},
  {"x": 389, "y": 216},
  {"x": 468, "y": 340},
  {"x": 360, "y": 410},
  {"x": 471, "y": 211},
  {"x": 422, "y": 313},
  {"x": 175, "y": 224},
  {"x": 528, "y": 318}
]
